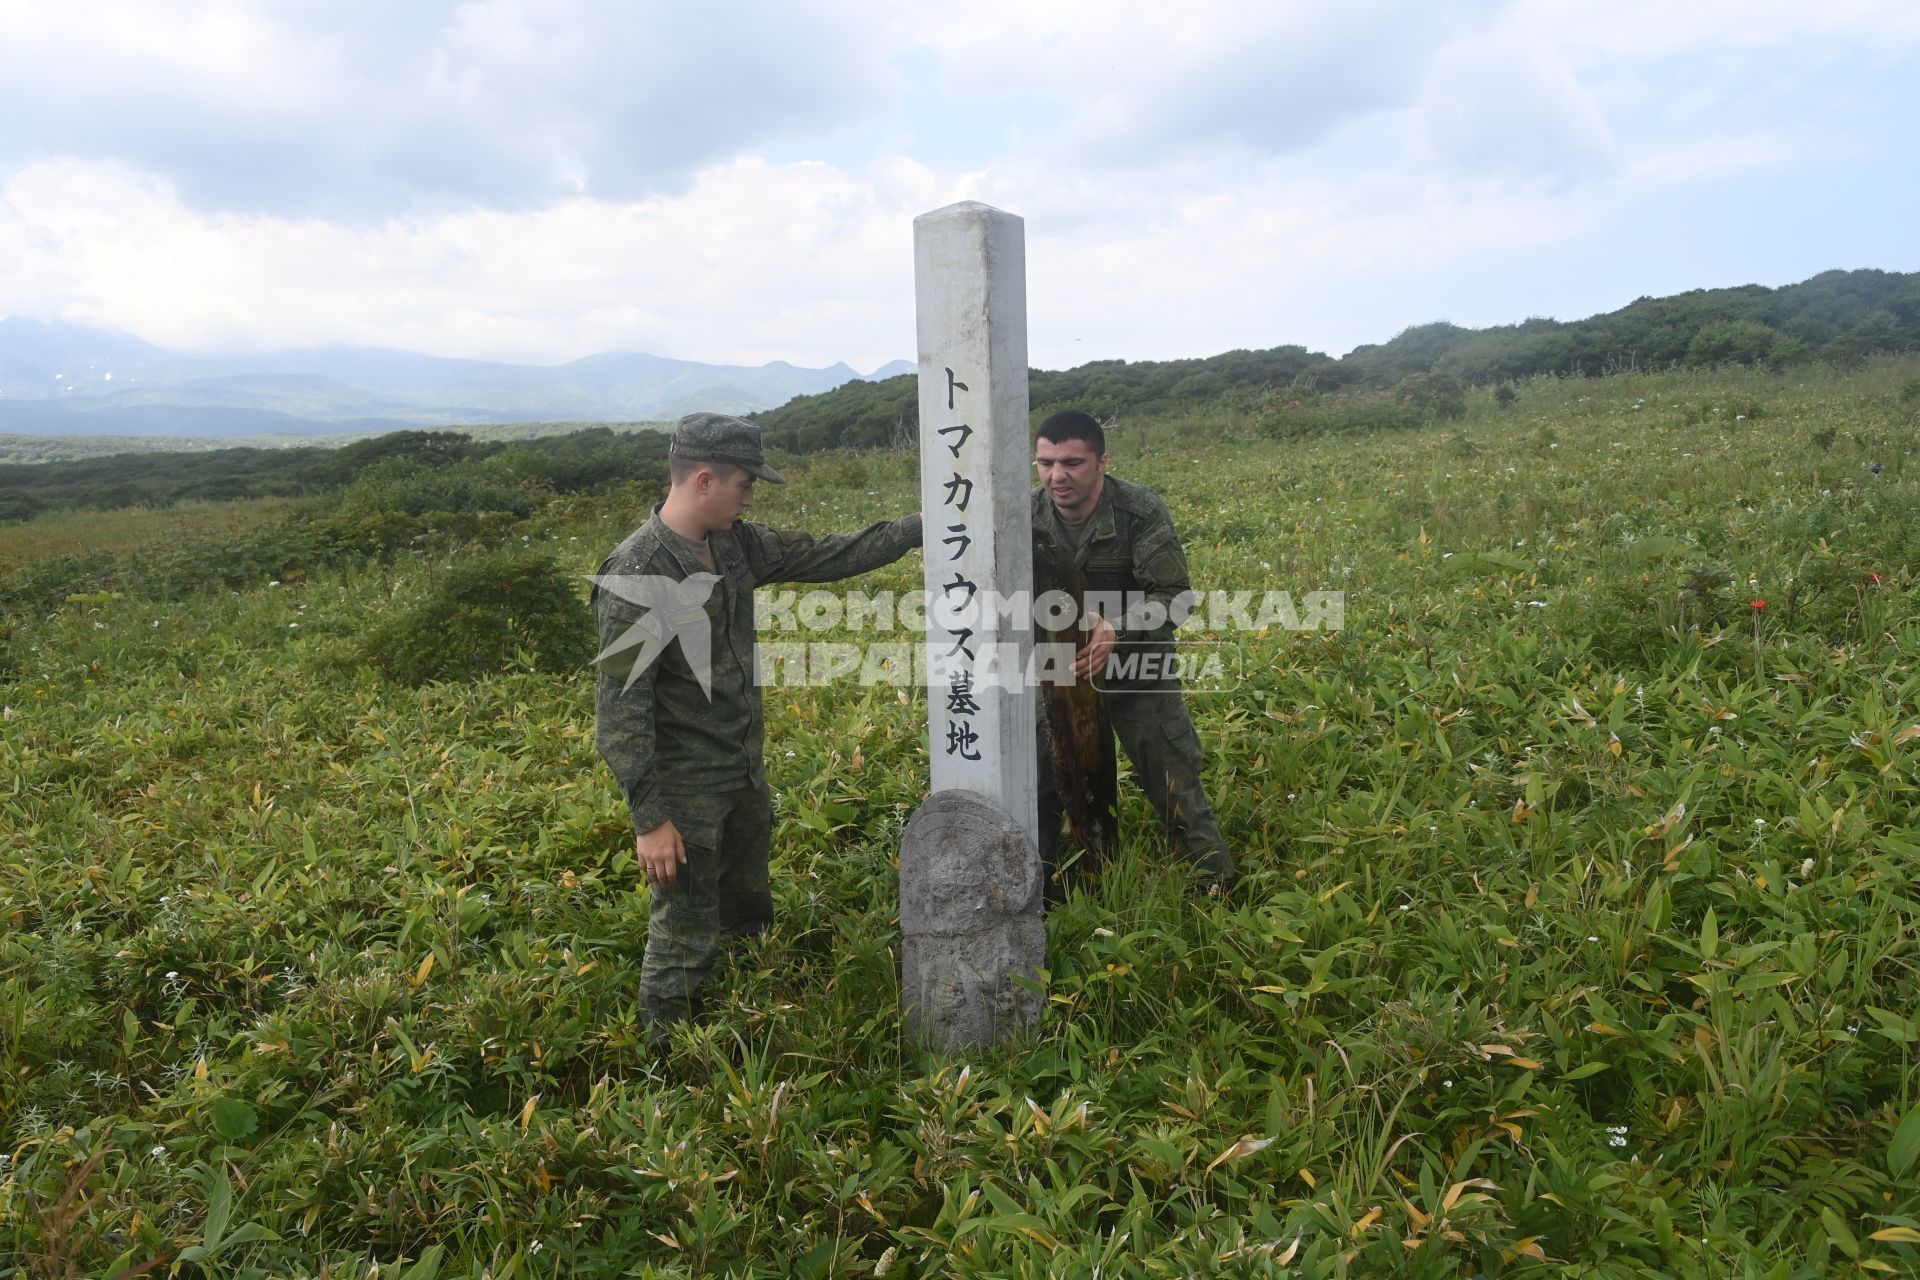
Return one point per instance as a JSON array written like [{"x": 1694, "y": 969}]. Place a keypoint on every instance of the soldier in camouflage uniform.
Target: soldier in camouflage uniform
[
  {"x": 677, "y": 702},
  {"x": 1123, "y": 540}
]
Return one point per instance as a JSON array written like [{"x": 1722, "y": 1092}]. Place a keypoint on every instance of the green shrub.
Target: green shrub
[
  {"x": 414, "y": 488},
  {"x": 1437, "y": 396},
  {"x": 1300, "y": 412},
  {"x": 497, "y": 612},
  {"x": 1731, "y": 342}
]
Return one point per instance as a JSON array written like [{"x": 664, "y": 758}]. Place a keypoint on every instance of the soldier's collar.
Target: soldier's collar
[{"x": 677, "y": 546}]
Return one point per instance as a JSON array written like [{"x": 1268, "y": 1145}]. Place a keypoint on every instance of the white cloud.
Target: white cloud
[
  {"x": 754, "y": 262},
  {"x": 354, "y": 107},
  {"x": 1148, "y": 78},
  {"x": 540, "y": 180},
  {"x": 1510, "y": 106}
]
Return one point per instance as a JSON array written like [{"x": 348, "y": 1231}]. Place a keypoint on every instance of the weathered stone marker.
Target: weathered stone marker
[
  {"x": 970, "y": 912},
  {"x": 970, "y": 901}
]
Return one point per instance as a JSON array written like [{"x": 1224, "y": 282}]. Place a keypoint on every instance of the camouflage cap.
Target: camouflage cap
[{"x": 714, "y": 437}]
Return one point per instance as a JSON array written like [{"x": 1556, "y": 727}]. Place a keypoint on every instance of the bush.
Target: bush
[
  {"x": 1301, "y": 412},
  {"x": 1436, "y": 396},
  {"x": 507, "y": 610},
  {"x": 1731, "y": 342},
  {"x": 414, "y": 488}
]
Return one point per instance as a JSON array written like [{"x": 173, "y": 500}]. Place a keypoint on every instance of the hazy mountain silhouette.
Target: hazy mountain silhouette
[{"x": 65, "y": 379}]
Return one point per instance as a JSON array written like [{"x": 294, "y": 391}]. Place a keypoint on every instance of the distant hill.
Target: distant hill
[
  {"x": 64, "y": 379},
  {"x": 1839, "y": 317}
]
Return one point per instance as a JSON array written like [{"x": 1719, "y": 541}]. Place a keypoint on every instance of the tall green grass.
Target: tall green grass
[{"x": 1577, "y": 933}]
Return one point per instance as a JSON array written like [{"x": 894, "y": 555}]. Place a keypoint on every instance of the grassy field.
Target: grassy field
[
  {"x": 1577, "y": 932},
  {"x": 29, "y": 448}
]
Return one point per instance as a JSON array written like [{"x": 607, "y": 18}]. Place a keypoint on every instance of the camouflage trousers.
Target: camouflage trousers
[
  {"x": 1157, "y": 734},
  {"x": 720, "y": 894}
]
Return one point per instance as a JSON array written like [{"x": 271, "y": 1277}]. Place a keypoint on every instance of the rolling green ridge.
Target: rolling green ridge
[
  {"x": 1836, "y": 317},
  {"x": 1577, "y": 935}
]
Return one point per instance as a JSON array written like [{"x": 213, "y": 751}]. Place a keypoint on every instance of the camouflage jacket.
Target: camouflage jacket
[
  {"x": 665, "y": 734},
  {"x": 1131, "y": 553}
]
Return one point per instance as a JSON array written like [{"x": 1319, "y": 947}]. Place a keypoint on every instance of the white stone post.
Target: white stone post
[
  {"x": 970, "y": 284},
  {"x": 972, "y": 932}
]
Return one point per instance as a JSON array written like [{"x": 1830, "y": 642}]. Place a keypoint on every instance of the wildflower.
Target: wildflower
[
  {"x": 157, "y": 1152},
  {"x": 1806, "y": 868},
  {"x": 1757, "y": 605},
  {"x": 1759, "y": 822}
]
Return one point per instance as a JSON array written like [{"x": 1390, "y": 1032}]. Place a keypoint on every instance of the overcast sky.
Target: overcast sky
[{"x": 537, "y": 180}]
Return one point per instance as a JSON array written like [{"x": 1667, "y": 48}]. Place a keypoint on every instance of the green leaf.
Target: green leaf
[
  {"x": 219, "y": 1209},
  {"x": 1904, "y": 1150},
  {"x": 1586, "y": 1069},
  {"x": 233, "y": 1119},
  {"x": 428, "y": 1267},
  {"x": 1709, "y": 935}
]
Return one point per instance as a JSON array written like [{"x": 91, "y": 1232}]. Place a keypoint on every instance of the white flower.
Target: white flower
[
  {"x": 172, "y": 973},
  {"x": 535, "y": 1247},
  {"x": 1593, "y": 937},
  {"x": 1759, "y": 822},
  {"x": 1806, "y": 868},
  {"x": 158, "y": 1151}
]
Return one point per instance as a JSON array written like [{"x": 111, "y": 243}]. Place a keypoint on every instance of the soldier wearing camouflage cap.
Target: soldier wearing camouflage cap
[{"x": 678, "y": 714}]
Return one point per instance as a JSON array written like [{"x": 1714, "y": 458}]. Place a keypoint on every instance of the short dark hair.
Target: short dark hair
[
  {"x": 1073, "y": 424},
  {"x": 681, "y": 469}
]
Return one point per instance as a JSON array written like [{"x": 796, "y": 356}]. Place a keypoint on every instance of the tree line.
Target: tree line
[
  {"x": 447, "y": 470},
  {"x": 1840, "y": 317}
]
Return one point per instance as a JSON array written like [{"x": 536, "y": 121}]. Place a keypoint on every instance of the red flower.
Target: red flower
[{"x": 1758, "y": 604}]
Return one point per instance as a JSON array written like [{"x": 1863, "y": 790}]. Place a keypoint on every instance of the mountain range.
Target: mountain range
[{"x": 58, "y": 378}]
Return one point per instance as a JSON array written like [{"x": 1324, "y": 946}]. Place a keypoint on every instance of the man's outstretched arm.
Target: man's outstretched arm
[{"x": 779, "y": 555}]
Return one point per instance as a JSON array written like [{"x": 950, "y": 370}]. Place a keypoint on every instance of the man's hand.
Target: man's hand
[
  {"x": 661, "y": 852},
  {"x": 1092, "y": 659}
]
